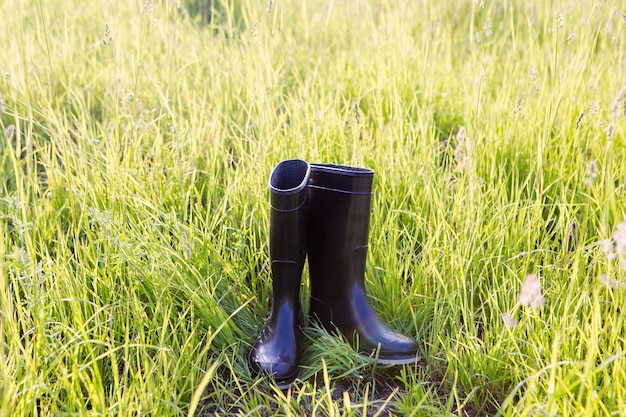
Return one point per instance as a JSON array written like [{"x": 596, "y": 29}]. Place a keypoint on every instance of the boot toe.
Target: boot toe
[
  {"x": 391, "y": 347},
  {"x": 399, "y": 352},
  {"x": 283, "y": 370}
]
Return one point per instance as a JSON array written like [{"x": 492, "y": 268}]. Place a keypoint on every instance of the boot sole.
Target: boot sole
[
  {"x": 280, "y": 384},
  {"x": 284, "y": 385}
]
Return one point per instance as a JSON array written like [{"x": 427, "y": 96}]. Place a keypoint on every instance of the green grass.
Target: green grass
[{"x": 135, "y": 147}]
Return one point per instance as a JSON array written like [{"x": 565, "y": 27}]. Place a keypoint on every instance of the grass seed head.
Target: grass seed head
[
  {"x": 530, "y": 294},
  {"x": 610, "y": 130},
  {"x": 608, "y": 249},
  {"x": 619, "y": 238},
  {"x": 463, "y": 150},
  {"x": 607, "y": 281},
  {"x": 508, "y": 320},
  {"x": 615, "y": 107},
  {"x": 591, "y": 174},
  {"x": 487, "y": 27},
  {"x": 8, "y": 131},
  {"x": 560, "y": 22},
  {"x": 107, "y": 34},
  {"x": 580, "y": 118},
  {"x": 148, "y": 7}
]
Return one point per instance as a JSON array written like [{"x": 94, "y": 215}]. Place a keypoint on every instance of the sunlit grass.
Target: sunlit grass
[{"x": 136, "y": 140}]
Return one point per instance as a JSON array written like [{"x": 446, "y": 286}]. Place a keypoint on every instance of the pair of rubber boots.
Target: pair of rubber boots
[{"x": 322, "y": 210}]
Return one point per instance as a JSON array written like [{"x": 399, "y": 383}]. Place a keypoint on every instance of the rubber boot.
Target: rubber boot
[
  {"x": 339, "y": 202},
  {"x": 276, "y": 350}
]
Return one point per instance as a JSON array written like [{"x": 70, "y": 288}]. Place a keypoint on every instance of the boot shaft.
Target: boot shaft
[{"x": 340, "y": 205}]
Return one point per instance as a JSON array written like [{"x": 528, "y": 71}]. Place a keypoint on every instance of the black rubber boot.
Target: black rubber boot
[
  {"x": 276, "y": 350},
  {"x": 339, "y": 202}
]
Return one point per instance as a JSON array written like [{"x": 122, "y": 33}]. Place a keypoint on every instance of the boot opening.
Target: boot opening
[
  {"x": 343, "y": 178},
  {"x": 343, "y": 170},
  {"x": 289, "y": 176}
]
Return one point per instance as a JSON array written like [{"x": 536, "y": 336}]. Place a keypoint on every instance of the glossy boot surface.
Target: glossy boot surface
[
  {"x": 276, "y": 350},
  {"x": 340, "y": 204}
]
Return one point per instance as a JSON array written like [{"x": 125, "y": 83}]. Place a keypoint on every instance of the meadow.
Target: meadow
[{"x": 136, "y": 142}]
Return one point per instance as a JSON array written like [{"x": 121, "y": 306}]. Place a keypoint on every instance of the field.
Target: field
[{"x": 136, "y": 142}]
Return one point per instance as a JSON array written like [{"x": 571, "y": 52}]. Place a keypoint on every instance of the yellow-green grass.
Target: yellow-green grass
[{"x": 136, "y": 140}]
